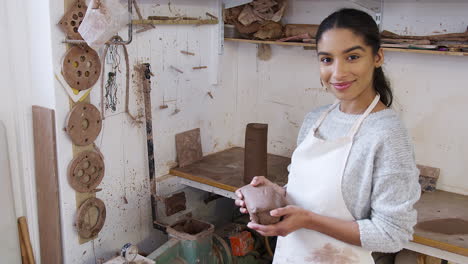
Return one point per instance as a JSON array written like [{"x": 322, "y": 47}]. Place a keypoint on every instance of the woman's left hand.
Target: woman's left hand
[{"x": 294, "y": 218}]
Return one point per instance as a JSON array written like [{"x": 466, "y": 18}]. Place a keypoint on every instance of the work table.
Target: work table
[{"x": 222, "y": 173}]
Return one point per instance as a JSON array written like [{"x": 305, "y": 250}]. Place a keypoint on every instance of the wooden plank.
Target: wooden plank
[
  {"x": 443, "y": 207},
  {"x": 440, "y": 245},
  {"x": 434, "y": 52},
  {"x": 48, "y": 207},
  {"x": 225, "y": 169},
  {"x": 80, "y": 197},
  {"x": 175, "y": 22},
  {"x": 272, "y": 42}
]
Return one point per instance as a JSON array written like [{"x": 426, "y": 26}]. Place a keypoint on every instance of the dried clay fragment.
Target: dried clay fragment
[
  {"x": 260, "y": 201},
  {"x": 269, "y": 30}
]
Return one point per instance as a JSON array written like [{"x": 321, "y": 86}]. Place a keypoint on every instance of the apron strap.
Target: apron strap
[
  {"x": 358, "y": 123},
  {"x": 324, "y": 114}
]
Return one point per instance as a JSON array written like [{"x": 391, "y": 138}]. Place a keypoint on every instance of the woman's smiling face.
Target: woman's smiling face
[{"x": 347, "y": 64}]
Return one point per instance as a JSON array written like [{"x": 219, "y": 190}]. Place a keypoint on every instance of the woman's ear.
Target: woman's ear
[{"x": 379, "y": 58}]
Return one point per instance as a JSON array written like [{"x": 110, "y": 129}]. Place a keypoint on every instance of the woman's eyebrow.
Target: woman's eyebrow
[
  {"x": 353, "y": 48},
  {"x": 323, "y": 53},
  {"x": 344, "y": 52}
]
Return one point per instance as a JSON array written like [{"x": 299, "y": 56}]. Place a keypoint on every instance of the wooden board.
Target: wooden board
[
  {"x": 48, "y": 207},
  {"x": 176, "y": 22},
  {"x": 79, "y": 197},
  {"x": 225, "y": 169},
  {"x": 313, "y": 46},
  {"x": 272, "y": 42},
  {"x": 442, "y": 205}
]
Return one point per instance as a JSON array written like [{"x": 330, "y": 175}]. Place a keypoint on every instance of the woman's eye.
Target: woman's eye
[
  {"x": 325, "y": 60},
  {"x": 353, "y": 57}
]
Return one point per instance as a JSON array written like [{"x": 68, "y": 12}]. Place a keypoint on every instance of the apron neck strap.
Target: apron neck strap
[
  {"x": 358, "y": 123},
  {"x": 324, "y": 114}
]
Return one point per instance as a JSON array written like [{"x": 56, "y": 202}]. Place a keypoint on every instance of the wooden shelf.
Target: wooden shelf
[
  {"x": 272, "y": 42},
  {"x": 176, "y": 22},
  {"x": 225, "y": 169},
  {"x": 310, "y": 45}
]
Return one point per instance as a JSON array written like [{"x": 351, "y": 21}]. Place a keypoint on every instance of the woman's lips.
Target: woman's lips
[{"x": 342, "y": 85}]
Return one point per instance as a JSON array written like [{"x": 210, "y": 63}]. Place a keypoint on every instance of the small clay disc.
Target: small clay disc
[
  {"x": 83, "y": 124},
  {"x": 81, "y": 67},
  {"x": 86, "y": 171},
  {"x": 72, "y": 20},
  {"x": 87, "y": 228}
]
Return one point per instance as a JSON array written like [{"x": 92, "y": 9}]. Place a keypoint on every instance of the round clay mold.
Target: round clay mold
[
  {"x": 86, "y": 227},
  {"x": 83, "y": 124},
  {"x": 86, "y": 171},
  {"x": 81, "y": 67}
]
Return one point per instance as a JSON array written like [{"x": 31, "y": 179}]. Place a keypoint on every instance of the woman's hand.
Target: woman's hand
[
  {"x": 294, "y": 218},
  {"x": 257, "y": 181}
]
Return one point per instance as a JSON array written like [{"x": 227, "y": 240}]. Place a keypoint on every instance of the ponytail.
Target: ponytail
[{"x": 382, "y": 87}]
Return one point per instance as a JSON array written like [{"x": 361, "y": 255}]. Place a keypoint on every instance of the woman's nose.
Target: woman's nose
[{"x": 340, "y": 70}]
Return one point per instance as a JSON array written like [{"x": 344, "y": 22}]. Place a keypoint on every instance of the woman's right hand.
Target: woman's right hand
[{"x": 256, "y": 181}]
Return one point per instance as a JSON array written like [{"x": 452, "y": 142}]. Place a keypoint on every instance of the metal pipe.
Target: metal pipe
[
  {"x": 113, "y": 42},
  {"x": 146, "y": 74}
]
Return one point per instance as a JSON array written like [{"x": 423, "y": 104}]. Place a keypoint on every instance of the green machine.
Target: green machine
[{"x": 195, "y": 242}]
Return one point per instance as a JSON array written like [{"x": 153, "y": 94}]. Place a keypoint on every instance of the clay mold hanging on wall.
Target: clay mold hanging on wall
[
  {"x": 86, "y": 171},
  {"x": 81, "y": 67},
  {"x": 83, "y": 124}
]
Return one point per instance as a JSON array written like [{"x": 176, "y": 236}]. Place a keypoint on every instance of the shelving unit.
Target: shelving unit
[
  {"x": 313, "y": 46},
  {"x": 176, "y": 22}
]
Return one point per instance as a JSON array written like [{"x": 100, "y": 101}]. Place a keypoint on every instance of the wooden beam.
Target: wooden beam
[
  {"x": 176, "y": 22},
  {"x": 47, "y": 188}
]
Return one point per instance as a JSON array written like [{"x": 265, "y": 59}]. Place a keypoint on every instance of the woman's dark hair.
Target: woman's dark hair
[{"x": 361, "y": 24}]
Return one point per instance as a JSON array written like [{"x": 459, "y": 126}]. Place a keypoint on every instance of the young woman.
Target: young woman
[{"x": 353, "y": 180}]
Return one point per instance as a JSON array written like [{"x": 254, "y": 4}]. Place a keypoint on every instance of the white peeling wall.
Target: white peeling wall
[
  {"x": 123, "y": 143},
  {"x": 430, "y": 90}
]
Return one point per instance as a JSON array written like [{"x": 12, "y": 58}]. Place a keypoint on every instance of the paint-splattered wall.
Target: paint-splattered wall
[
  {"x": 125, "y": 188},
  {"x": 430, "y": 90}
]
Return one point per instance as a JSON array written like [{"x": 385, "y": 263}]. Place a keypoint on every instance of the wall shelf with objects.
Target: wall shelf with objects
[
  {"x": 313, "y": 46},
  {"x": 175, "y": 22}
]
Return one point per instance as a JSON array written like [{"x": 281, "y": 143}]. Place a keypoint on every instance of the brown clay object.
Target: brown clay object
[
  {"x": 72, "y": 20},
  {"x": 83, "y": 124},
  {"x": 86, "y": 228},
  {"x": 85, "y": 172},
  {"x": 260, "y": 201},
  {"x": 291, "y": 30},
  {"x": 81, "y": 67},
  {"x": 269, "y": 30},
  {"x": 188, "y": 147},
  {"x": 428, "y": 177},
  {"x": 255, "y": 156}
]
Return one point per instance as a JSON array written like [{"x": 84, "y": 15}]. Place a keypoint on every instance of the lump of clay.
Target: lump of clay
[{"x": 260, "y": 201}]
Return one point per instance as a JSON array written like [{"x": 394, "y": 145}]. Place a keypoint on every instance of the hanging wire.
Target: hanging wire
[
  {"x": 111, "y": 91},
  {"x": 112, "y": 58}
]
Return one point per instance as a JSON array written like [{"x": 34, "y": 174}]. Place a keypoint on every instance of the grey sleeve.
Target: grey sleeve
[{"x": 395, "y": 191}]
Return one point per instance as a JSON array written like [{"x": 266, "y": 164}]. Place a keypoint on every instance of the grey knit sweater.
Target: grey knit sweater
[{"x": 380, "y": 182}]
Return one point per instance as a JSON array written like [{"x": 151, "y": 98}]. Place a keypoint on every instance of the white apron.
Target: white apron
[{"x": 317, "y": 168}]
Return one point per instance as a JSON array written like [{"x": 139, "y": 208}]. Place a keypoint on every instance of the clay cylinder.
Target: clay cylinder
[{"x": 255, "y": 155}]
